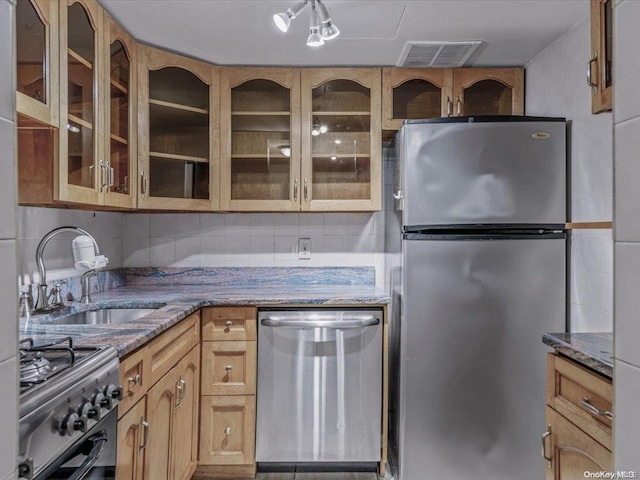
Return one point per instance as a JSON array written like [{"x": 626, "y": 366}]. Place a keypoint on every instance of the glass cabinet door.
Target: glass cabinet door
[
  {"x": 36, "y": 69},
  {"x": 79, "y": 84},
  {"x": 413, "y": 93},
  {"x": 341, "y": 139},
  {"x": 261, "y": 154},
  {"x": 176, "y": 141},
  {"x": 119, "y": 168},
  {"x": 600, "y": 68},
  {"x": 488, "y": 91}
]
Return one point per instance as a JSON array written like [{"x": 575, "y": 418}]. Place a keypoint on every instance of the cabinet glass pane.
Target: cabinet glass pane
[
  {"x": 417, "y": 99},
  {"x": 340, "y": 141},
  {"x": 80, "y": 54},
  {"x": 31, "y": 52},
  {"x": 488, "y": 97},
  {"x": 260, "y": 141},
  {"x": 119, "y": 107},
  {"x": 178, "y": 179},
  {"x": 179, "y": 134}
]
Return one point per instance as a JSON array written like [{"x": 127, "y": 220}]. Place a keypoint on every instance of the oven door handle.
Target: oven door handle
[{"x": 98, "y": 440}]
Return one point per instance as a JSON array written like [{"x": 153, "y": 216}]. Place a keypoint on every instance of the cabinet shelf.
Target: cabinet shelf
[
  {"x": 343, "y": 114},
  {"x": 119, "y": 139},
  {"x": 119, "y": 86},
  {"x": 257, "y": 155},
  {"x": 184, "y": 158},
  {"x": 255, "y": 113},
  {"x": 80, "y": 59},
  {"x": 79, "y": 121},
  {"x": 179, "y": 106},
  {"x": 327, "y": 156}
]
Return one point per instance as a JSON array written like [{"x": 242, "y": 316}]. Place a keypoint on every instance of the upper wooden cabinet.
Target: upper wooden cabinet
[
  {"x": 178, "y": 132},
  {"x": 38, "y": 91},
  {"x": 600, "y": 68},
  {"x": 120, "y": 159},
  {"x": 341, "y": 139},
  {"x": 260, "y": 139},
  {"x": 414, "y": 93}
]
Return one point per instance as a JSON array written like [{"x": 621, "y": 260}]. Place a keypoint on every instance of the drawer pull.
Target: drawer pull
[
  {"x": 137, "y": 380},
  {"x": 145, "y": 429},
  {"x": 228, "y": 368},
  {"x": 586, "y": 403},
  {"x": 227, "y": 431},
  {"x": 544, "y": 446},
  {"x": 228, "y": 324}
]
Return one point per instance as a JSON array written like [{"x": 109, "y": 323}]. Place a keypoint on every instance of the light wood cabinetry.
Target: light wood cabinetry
[
  {"x": 178, "y": 102},
  {"x": 159, "y": 414},
  {"x": 415, "y": 93},
  {"x": 600, "y": 67},
  {"x": 300, "y": 139},
  {"x": 579, "y": 418},
  {"x": 228, "y": 387}
]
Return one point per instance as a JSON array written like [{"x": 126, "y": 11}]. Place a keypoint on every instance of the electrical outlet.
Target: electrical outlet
[{"x": 304, "y": 249}]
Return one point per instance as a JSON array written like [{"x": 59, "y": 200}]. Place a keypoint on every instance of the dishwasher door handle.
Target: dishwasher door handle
[{"x": 357, "y": 322}]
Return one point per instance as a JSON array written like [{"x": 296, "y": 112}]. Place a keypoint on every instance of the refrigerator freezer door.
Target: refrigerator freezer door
[
  {"x": 319, "y": 388},
  {"x": 473, "y": 364},
  {"x": 483, "y": 173}
]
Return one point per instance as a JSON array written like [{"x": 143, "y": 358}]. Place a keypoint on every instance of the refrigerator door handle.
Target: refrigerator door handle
[{"x": 334, "y": 324}]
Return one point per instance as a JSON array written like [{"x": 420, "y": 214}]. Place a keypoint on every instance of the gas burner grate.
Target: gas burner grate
[{"x": 38, "y": 363}]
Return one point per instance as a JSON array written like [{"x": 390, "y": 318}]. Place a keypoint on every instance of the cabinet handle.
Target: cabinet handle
[
  {"x": 145, "y": 429},
  {"x": 295, "y": 189},
  {"x": 179, "y": 389},
  {"x": 586, "y": 403},
  {"x": 227, "y": 431},
  {"x": 104, "y": 174},
  {"x": 112, "y": 176},
  {"x": 143, "y": 185},
  {"x": 183, "y": 391},
  {"x": 137, "y": 380},
  {"x": 306, "y": 190},
  {"x": 590, "y": 82},
  {"x": 228, "y": 324},
  {"x": 459, "y": 106},
  {"x": 544, "y": 446},
  {"x": 228, "y": 368},
  {"x": 448, "y": 107}
]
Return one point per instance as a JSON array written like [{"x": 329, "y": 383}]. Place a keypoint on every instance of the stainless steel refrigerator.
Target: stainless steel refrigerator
[{"x": 483, "y": 206}]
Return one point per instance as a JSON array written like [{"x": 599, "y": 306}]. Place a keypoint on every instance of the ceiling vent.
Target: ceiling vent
[{"x": 437, "y": 54}]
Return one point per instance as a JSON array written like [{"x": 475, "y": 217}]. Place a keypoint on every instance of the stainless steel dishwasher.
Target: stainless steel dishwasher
[{"x": 319, "y": 385}]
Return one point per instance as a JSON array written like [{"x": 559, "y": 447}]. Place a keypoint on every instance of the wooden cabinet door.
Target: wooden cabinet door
[
  {"x": 185, "y": 433},
  {"x": 161, "y": 407},
  {"x": 178, "y": 108},
  {"x": 600, "y": 69},
  {"x": 37, "y": 60},
  {"x": 80, "y": 144},
  {"x": 341, "y": 139},
  {"x": 131, "y": 441},
  {"x": 572, "y": 451},
  {"x": 260, "y": 139},
  {"x": 121, "y": 113},
  {"x": 488, "y": 91},
  {"x": 227, "y": 430},
  {"x": 412, "y": 93}
]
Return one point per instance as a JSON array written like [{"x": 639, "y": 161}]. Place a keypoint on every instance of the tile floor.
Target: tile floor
[{"x": 317, "y": 476}]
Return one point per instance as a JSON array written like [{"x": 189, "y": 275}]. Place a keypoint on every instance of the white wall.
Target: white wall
[
  {"x": 211, "y": 240},
  {"x": 556, "y": 86},
  {"x": 627, "y": 234},
  {"x": 8, "y": 294}
]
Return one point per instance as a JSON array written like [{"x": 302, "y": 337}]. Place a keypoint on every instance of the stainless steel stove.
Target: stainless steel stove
[{"x": 68, "y": 411}]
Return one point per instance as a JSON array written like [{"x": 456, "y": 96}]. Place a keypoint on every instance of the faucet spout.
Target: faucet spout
[{"x": 43, "y": 301}]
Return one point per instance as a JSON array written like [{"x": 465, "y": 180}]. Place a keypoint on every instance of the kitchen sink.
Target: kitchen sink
[{"x": 103, "y": 316}]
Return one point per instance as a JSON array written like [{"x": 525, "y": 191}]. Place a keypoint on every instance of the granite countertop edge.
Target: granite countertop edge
[
  {"x": 593, "y": 350},
  {"x": 174, "y": 303}
]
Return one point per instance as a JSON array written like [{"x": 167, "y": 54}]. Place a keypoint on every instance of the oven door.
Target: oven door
[{"x": 92, "y": 457}]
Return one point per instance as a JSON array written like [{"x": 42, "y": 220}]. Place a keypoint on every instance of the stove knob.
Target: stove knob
[
  {"x": 113, "y": 392},
  {"x": 88, "y": 411},
  {"x": 100, "y": 401},
  {"x": 73, "y": 423}
]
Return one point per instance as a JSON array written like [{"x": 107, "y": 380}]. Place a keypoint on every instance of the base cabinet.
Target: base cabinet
[
  {"x": 131, "y": 443},
  {"x": 579, "y": 419}
]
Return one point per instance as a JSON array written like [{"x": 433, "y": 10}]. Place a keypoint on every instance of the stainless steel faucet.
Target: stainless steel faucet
[{"x": 43, "y": 304}]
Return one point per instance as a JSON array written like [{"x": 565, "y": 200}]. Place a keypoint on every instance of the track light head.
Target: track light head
[
  {"x": 315, "y": 37},
  {"x": 283, "y": 20},
  {"x": 329, "y": 30}
]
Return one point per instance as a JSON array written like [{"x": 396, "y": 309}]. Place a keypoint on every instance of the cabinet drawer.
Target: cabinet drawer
[
  {"x": 578, "y": 394},
  {"x": 134, "y": 378},
  {"x": 227, "y": 430},
  {"x": 229, "y": 323},
  {"x": 166, "y": 350},
  {"x": 228, "y": 368}
]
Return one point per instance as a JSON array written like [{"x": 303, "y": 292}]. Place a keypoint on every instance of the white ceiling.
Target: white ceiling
[{"x": 373, "y": 32}]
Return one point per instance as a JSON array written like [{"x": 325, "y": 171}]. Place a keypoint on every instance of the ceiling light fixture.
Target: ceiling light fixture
[{"x": 321, "y": 26}]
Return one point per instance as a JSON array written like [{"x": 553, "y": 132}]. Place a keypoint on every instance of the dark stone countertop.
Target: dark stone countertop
[{"x": 593, "y": 350}]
